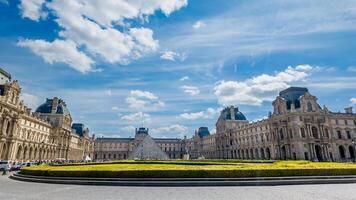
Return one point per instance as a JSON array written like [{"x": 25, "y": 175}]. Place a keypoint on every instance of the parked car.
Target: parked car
[
  {"x": 16, "y": 167},
  {"x": 5, "y": 165}
]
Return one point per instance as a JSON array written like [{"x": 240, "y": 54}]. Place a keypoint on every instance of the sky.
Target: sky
[{"x": 172, "y": 65}]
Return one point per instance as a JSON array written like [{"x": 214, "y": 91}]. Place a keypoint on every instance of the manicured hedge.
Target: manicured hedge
[
  {"x": 194, "y": 169},
  {"x": 192, "y": 173}
]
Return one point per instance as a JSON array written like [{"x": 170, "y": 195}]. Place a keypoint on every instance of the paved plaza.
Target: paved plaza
[{"x": 11, "y": 189}]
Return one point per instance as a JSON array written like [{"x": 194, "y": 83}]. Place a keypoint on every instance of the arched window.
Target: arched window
[
  {"x": 342, "y": 152},
  {"x": 281, "y": 134},
  {"x": 327, "y": 133},
  {"x": 309, "y": 107},
  {"x": 8, "y": 128},
  {"x": 302, "y": 132},
  {"x": 315, "y": 132}
]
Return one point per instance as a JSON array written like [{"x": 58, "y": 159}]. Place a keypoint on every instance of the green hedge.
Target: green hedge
[{"x": 192, "y": 173}]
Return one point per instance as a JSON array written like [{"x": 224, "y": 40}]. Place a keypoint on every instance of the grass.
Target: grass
[{"x": 195, "y": 169}]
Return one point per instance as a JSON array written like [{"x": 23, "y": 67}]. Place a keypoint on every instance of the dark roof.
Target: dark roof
[
  {"x": 226, "y": 114},
  {"x": 79, "y": 128},
  {"x": 5, "y": 73},
  {"x": 61, "y": 107},
  {"x": 203, "y": 131},
  {"x": 142, "y": 130},
  {"x": 177, "y": 139},
  {"x": 114, "y": 138},
  {"x": 292, "y": 95}
]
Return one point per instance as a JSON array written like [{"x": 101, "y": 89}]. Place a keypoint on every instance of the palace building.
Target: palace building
[
  {"x": 298, "y": 128},
  {"x": 142, "y": 146},
  {"x": 43, "y": 135}
]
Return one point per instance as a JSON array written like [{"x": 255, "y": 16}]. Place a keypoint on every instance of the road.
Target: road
[{"x": 10, "y": 189}]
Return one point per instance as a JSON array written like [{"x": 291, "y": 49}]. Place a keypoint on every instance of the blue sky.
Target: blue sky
[{"x": 176, "y": 63}]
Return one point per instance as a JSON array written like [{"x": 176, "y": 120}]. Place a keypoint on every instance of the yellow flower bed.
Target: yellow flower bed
[{"x": 197, "y": 169}]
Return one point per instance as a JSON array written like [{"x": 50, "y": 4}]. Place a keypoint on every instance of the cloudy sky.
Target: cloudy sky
[{"x": 173, "y": 64}]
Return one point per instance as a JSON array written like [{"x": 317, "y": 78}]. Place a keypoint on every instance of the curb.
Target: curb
[{"x": 184, "y": 182}]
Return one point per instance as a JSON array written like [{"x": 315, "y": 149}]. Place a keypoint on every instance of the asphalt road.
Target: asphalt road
[{"x": 10, "y": 189}]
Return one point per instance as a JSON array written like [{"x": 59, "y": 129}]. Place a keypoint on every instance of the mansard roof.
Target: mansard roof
[
  {"x": 58, "y": 106},
  {"x": 292, "y": 94},
  {"x": 232, "y": 113},
  {"x": 203, "y": 131}
]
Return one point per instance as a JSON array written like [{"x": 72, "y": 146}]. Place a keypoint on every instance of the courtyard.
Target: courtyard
[{"x": 12, "y": 190}]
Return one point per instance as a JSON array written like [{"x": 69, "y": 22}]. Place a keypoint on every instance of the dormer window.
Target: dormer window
[{"x": 309, "y": 107}]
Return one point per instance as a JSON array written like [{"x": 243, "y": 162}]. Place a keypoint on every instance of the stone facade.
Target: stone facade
[
  {"x": 46, "y": 134},
  {"x": 298, "y": 128},
  {"x": 121, "y": 148}
]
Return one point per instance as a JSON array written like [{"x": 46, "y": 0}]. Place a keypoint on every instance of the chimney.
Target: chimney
[{"x": 348, "y": 110}]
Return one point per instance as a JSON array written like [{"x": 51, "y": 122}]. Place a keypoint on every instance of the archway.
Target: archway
[
  {"x": 352, "y": 152},
  {"x": 342, "y": 152},
  {"x": 283, "y": 153},
  {"x": 318, "y": 153},
  {"x": 25, "y": 151},
  {"x": 268, "y": 153},
  {"x": 19, "y": 153},
  {"x": 4, "y": 151},
  {"x": 30, "y": 154},
  {"x": 262, "y": 153}
]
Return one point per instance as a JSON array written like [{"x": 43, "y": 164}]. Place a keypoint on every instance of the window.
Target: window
[
  {"x": 326, "y": 133},
  {"x": 281, "y": 134},
  {"x": 348, "y": 134},
  {"x": 315, "y": 132},
  {"x": 302, "y": 132},
  {"x": 290, "y": 133},
  {"x": 339, "y": 134},
  {"x": 354, "y": 122},
  {"x": 309, "y": 107},
  {"x": 336, "y": 121},
  {"x": 345, "y": 122}
]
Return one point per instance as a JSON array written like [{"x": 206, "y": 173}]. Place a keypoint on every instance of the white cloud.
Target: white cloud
[
  {"x": 91, "y": 25},
  {"x": 184, "y": 78},
  {"x": 259, "y": 88},
  {"x": 4, "y": 2},
  {"x": 199, "y": 24},
  {"x": 143, "y": 100},
  {"x": 59, "y": 51},
  {"x": 30, "y": 100},
  {"x": 351, "y": 69},
  {"x": 138, "y": 117},
  {"x": 192, "y": 90},
  {"x": 128, "y": 129},
  {"x": 109, "y": 92},
  {"x": 172, "y": 130},
  {"x": 353, "y": 100},
  {"x": 115, "y": 108},
  {"x": 209, "y": 113},
  {"x": 32, "y": 9},
  {"x": 173, "y": 56}
]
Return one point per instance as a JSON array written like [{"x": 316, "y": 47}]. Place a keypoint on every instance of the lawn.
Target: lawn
[{"x": 195, "y": 169}]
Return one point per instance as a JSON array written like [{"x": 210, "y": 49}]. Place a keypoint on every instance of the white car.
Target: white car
[{"x": 5, "y": 165}]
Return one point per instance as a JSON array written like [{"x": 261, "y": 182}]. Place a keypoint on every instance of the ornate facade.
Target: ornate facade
[
  {"x": 122, "y": 148},
  {"x": 46, "y": 134},
  {"x": 298, "y": 128}
]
